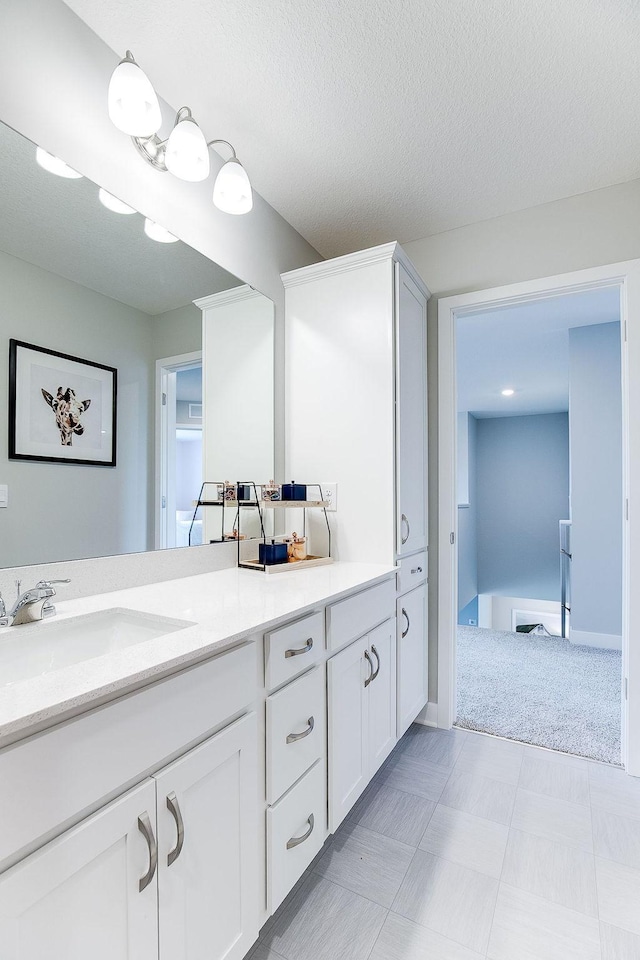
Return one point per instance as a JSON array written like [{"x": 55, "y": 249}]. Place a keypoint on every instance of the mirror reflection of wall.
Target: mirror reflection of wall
[{"x": 86, "y": 281}]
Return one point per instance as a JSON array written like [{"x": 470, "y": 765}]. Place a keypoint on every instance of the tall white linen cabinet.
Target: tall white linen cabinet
[{"x": 356, "y": 415}]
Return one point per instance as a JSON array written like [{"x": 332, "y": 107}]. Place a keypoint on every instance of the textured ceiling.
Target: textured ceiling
[
  {"x": 526, "y": 348},
  {"x": 363, "y": 121},
  {"x": 61, "y": 226}
]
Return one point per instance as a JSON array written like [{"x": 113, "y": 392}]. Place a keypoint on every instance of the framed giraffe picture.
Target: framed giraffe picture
[{"x": 62, "y": 409}]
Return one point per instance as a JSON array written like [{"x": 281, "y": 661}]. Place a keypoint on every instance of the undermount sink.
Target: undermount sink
[{"x": 40, "y": 648}]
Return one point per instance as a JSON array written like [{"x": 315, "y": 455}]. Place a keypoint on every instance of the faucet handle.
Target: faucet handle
[{"x": 43, "y": 584}]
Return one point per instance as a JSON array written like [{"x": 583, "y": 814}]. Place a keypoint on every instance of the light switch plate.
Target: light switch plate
[
  {"x": 4, "y": 495},
  {"x": 330, "y": 495}
]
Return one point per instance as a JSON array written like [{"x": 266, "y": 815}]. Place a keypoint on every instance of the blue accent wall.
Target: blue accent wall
[
  {"x": 595, "y": 414},
  {"x": 522, "y": 492},
  {"x": 470, "y": 612},
  {"x": 467, "y": 517}
]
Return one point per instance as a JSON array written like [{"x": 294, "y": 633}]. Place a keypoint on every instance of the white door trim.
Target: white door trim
[
  {"x": 626, "y": 276},
  {"x": 165, "y": 437}
]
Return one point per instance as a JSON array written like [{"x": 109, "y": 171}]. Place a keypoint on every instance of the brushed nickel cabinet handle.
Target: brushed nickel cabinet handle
[
  {"x": 416, "y": 570},
  {"x": 296, "y": 653},
  {"x": 294, "y": 737},
  {"x": 370, "y": 662},
  {"x": 295, "y": 841},
  {"x": 404, "y": 520},
  {"x": 406, "y": 616},
  {"x": 174, "y": 809},
  {"x": 145, "y": 828},
  {"x": 376, "y": 655}
]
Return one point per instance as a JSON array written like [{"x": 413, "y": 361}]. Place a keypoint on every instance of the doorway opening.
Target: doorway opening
[
  {"x": 179, "y": 450},
  {"x": 624, "y": 280},
  {"x": 539, "y": 483}
]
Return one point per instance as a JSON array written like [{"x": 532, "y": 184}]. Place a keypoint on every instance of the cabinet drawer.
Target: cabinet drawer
[
  {"x": 411, "y": 572},
  {"x": 295, "y": 833},
  {"x": 292, "y": 649},
  {"x": 355, "y": 616},
  {"x": 295, "y": 731},
  {"x": 65, "y": 772}
]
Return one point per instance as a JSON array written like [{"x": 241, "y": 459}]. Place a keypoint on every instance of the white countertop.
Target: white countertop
[{"x": 226, "y": 607}]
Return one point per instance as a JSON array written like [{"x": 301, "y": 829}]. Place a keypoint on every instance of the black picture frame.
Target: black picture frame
[{"x": 50, "y": 395}]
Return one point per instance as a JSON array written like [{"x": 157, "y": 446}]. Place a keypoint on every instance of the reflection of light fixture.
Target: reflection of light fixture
[
  {"x": 508, "y": 392},
  {"x": 134, "y": 109},
  {"x": 133, "y": 103},
  {"x": 155, "y": 232},
  {"x": 113, "y": 203},
  {"x": 54, "y": 165}
]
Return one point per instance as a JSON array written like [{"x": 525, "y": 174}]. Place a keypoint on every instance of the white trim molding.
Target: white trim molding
[
  {"x": 234, "y": 295},
  {"x": 604, "y": 641},
  {"x": 625, "y": 276},
  {"x": 428, "y": 716}
]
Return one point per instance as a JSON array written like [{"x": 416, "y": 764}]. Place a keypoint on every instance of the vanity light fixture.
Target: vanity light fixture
[
  {"x": 134, "y": 109},
  {"x": 113, "y": 203},
  {"x": 155, "y": 232},
  {"x": 508, "y": 392},
  {"x": 54, "y": 165}
]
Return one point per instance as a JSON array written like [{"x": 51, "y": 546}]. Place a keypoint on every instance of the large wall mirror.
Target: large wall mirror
[{"x": 80, "y": 280}]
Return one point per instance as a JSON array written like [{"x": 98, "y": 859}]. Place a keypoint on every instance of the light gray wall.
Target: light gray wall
[
  {"x": 467, "y": 523},
  {"x": 61, "y": 511},
  {"x": 595, "y": 416},
  {"x": 177, "y": 331},
  {"x": 523, "y": 491},
  {"x": 587, "y": 230}
]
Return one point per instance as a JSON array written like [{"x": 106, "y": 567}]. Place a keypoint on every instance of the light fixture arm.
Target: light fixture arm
[{"x": 212, "y": 143}]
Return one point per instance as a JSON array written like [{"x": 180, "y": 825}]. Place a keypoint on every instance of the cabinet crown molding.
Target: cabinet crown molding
[
  {"x": 236, "y": 294},
  {"x": 386, "y": 251}
]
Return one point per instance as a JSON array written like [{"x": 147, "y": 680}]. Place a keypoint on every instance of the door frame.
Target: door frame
[
  {"x": 165, "y": 433},
  {"x": 626, "y": 276}
]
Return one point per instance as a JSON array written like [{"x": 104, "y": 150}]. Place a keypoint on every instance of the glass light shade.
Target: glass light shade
[
  {"x": 508, "y": 392},
  {"x": 54, "y": 165},
  {"x": 133, "y": 103},
  {"x": 232, "y": 190},
  {"x": 112, "y": 203},
  {"x": 187, "y": 153},
  {"x": 155, "y": 232}
]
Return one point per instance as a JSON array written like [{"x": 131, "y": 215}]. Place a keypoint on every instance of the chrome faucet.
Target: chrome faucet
[{"x": 34, "y": 604}]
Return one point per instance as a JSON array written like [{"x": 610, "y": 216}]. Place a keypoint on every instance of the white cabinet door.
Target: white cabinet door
[
  {"x": 412, "y": 656},
  {"x": 411, "y": 421},
  {"x": 207, "y": 827},
  {"x": 79, "y": 896},
  {"x": 382, "y": 695},
  {"x": 347, "y": 707}
]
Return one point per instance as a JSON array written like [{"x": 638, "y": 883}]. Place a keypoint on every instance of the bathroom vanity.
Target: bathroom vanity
[{"x": 164, "y": 797}]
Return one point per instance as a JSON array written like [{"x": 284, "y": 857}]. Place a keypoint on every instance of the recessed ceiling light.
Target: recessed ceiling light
[
  {"x": 54, "y": 165},
  {"x": 508, "y": 392},
  {"x": 113, "y": 203},
  {"x": 155, "y": 232}
]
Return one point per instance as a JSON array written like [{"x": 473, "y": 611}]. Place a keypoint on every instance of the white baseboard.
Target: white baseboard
[
  {"x": 429, "y": 715},
  {"x": 606, "y": 641}
]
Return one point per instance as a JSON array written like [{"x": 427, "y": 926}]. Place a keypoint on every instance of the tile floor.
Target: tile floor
[{"x": 466, "y": 847}]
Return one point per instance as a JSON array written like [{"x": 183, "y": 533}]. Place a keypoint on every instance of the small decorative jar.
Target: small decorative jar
[
  {"x": 271, "y": 491},
  {"x": 294, "y": 491},
  {"x": 297, "y": 548},
  {"x": 229, "y": 490}
]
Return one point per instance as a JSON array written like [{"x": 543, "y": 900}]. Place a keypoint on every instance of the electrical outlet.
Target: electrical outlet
[
  {"x": 330, "y": 495},
  {"x": 4, "y": 495},
  {"x": 473, "y": 623}
]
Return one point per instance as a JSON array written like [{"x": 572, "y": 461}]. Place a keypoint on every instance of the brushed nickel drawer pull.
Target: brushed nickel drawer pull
[
  {"x": 376, "y": 655},
  {"x": 294, "y": 737},
  {"x": 370, "y": 662},
  {"x": 174, "y": 809},
  {"x": 145, "y": 828},
  {"x": 404, "y": 520},
  {"x": 416, "y": 570},
  {"x": 296, "y": 653},
  {"x": 295, "y": 841},
  {"x": 406, "y": 616}
]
